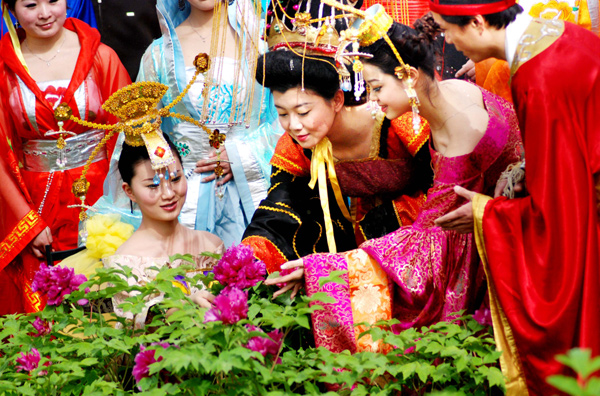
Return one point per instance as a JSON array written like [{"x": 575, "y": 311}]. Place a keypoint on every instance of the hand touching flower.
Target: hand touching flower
[{"x": 293, "y": 280}]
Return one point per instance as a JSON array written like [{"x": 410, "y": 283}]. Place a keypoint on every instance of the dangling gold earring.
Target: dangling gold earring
[{"x": 403, "y": 74}]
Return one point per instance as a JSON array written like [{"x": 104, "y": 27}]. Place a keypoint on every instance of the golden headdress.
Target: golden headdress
[
  {"x": 313, "y": 30},
  {"x": 139, "y": 120},
  {"x": 374, "y": 24}
]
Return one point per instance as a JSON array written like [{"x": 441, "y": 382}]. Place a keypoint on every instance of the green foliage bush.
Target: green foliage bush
[{"x": 84, "y": 354}]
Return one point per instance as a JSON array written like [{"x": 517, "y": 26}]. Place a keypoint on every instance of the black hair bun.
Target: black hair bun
[{"x": 427, "y": 28}]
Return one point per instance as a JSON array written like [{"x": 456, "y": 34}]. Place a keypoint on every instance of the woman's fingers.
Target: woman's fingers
[
  {"x": 297, "y": 275},
  {"x": 293, "y": 264},
  {"x": 283, "y": 289}
]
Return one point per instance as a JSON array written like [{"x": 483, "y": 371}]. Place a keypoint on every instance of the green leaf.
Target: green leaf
[
  {"x": 333, "y": 277},
  {"x": 433, "y": 347},
  {"x": 580, "y": 361},
  {"x": 303, "y": 321},
  {"x": 495, "y": 377},
  {"x": 408, "y": 370},
  {"x": 253, "y": 310},
  {"x": 593, "y": 386},
  {"x": 423, "y": 370},
  {"x": 565, "y": 384},
  {"x": 185, "y": 257}
]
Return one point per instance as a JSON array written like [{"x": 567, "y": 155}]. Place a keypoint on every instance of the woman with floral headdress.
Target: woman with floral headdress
[
  {"x": 419, "y": 274},
  {"x": 225, "y": 99},
  {"x": 381, "y": 164},
  {"x": 50, "y": 60}
]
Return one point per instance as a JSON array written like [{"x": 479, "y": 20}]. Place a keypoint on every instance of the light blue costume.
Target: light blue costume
[{"x": 249, "y": 149}]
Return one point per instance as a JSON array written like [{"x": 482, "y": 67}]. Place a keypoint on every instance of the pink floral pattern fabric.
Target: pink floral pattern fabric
[{"x": 432, "y": 272}]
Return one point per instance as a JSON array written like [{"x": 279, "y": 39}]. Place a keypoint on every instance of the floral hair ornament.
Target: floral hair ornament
[
  {"x": 136, "y": 107},
  {"x": 349, "y": 37},
  {"x": 374, "y": 24}
]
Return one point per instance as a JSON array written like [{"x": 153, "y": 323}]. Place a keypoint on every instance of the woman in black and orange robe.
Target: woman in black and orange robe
[{"x": 382, "y": 189}]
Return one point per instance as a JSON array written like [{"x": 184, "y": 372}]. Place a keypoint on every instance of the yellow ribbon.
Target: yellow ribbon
[
  {"x": 320, "y": 164},
  {"x": 13, "y": 35}
]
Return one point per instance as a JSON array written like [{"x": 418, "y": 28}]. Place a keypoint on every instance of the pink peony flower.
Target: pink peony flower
[
  {"x": 483, "y": 316},
  {"x": 28, "y": 361},
  {"x": 42, "y": 326},
  {"x": 144, "y": 359},
  {"x": 56, "y": 282},
  {"x": 238, "y": 268},
  {"x": 263, "y": 345},
  {"x": 230, "y": 307}
]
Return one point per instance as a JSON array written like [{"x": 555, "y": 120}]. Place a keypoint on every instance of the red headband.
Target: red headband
[{"x": 470, "y": 9}]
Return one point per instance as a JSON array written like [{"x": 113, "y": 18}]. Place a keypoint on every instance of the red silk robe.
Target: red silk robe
[
  {"x": 101, "y": 73},
  {"x": 544, "y": 250}
]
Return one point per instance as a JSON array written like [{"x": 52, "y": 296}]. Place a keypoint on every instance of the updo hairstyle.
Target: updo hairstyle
[
  {"x": 416, "y": 47},
  {"x": 283, "y": 71},
  {"x": 131, "y": 156}
]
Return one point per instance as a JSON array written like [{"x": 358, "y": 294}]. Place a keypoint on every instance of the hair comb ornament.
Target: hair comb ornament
[
  {"x": 374, "y": 24},
  {"x": 322, "y": 39},
  {"x": 349, "y": 37},
  {"x": 317, "y": 36},
  {"x": 139, "y": 120}
]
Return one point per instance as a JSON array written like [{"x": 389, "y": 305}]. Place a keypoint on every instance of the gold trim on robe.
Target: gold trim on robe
[
  {"x": 510, "y": 362},
  {"x": 539, "y": 35}
]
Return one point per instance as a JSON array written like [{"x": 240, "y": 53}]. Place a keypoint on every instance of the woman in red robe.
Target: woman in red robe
[{"x": 51, "y": 60}]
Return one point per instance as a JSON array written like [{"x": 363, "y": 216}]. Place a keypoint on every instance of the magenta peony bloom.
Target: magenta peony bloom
[
  {"x": 230, "y": 307},
  {"x": 56, "y": 282},
  {"x": 263, "y": 345},
  {"x": 238, "y": 268},
  {"x": 42, "y": 326},
  {"x": 144, "y": 359},
  {"x": 483, "y": 316},
  {"x": 28, "y": 361}
]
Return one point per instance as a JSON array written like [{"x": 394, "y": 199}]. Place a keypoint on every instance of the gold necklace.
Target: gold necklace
[{"x": 47, "y": 61}]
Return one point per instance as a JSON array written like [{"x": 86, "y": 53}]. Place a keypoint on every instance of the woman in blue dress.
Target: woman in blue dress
[{"x": 226, "y": 98}]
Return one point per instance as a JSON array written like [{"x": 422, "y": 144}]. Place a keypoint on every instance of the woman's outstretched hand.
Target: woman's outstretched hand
[{"x": 294, "y": 280}]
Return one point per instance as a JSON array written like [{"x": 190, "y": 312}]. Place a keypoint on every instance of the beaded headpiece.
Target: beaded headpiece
[
  {"x": 314, "y": 31},
  {"x": 372, "y": 25},
  {"x": 302, "y": 25},
  {"x": 139, "y": 120}
]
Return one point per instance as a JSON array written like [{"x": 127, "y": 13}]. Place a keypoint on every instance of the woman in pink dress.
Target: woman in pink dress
[{"x": 419, "y": 274}]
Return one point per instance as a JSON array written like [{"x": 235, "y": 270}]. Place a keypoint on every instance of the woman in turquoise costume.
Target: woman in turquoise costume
[{"x": 237, "y": 106}]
